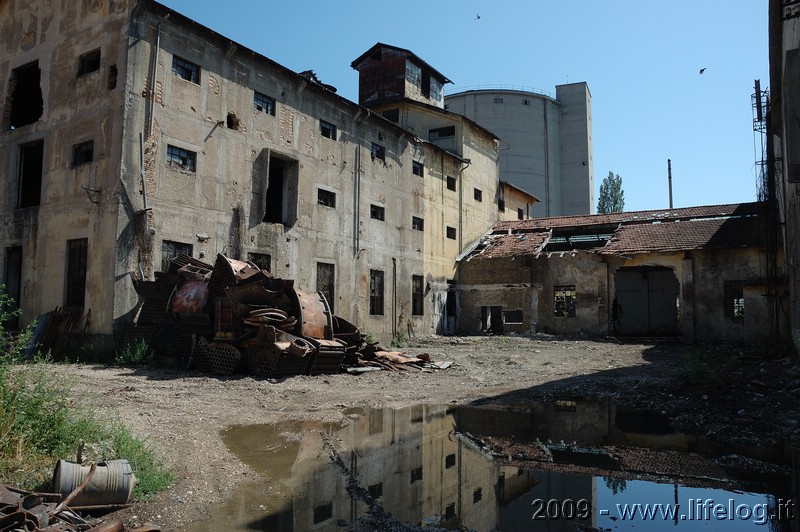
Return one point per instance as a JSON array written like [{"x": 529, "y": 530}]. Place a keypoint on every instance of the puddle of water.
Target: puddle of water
[{"x": 416, "y": 465}]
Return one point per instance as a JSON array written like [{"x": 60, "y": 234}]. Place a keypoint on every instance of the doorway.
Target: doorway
[{"x": 646, "y": 302}]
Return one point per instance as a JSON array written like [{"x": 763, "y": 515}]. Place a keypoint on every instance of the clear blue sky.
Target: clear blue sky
[{"x": 640, "y": 59}]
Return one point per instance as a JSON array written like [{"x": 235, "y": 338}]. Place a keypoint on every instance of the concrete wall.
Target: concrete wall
[{"x": 576, "y": 152}]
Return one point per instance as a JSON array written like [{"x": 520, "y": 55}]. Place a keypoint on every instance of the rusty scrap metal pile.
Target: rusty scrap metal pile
[{"x": 233, "y": 317}]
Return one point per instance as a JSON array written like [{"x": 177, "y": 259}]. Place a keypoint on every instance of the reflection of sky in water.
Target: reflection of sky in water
[{"x": 641, "y": 492}]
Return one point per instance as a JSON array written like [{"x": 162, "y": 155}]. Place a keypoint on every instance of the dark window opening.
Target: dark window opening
[
  {"x": 734, "y": 299},
  {"x": 376, "y": 490},
  {"x": 477, "y": 495},
  {"x": 112, "y": 77},
  {"x": 426, "y": 85},
  {"x": 262, "y": 260},
  {"x": 170, "y": 250},
  {"x": 564, "y": 301},
  {"x": 376, "y": 293},
  {"x": 512, "y": 317},
  {"x": 378, "y": 152},
  {"x": 376, "y": 212},
  {"x": 232, "y": 121},
  {"x": 451, "y": 183},
  {"x": 442, "y": 133},
  {"x": 417, "y": 224},
  {"x": 13, "y": 285},
  {"x": 264, "y": 103},
  {"x": 451, "y": 232},
  {"x": 326, "y": 198},
  {"x": 31, "y": 160},
  {"x": 450, "y": 511},
  {"x": 520, "y": 214},
  {"x": 450, "y": 304},
  {"x": 326, "y": 281},
  {"x": 498, "y": 100},
  {"x": 323, "y": 513},
  {"x": 417, "y": 168},
  {"x": 393, "y": 115},
  {"x": 526, "y": 102},
  {"x": 416, "y": 474},
  {"x": 449, "y": 461},
  {"x": 501, "y": 205},
  {"x": 185, "y": 159},
  {"x": 478, "y": 194},
  {"x": 281, "y": 192},
  {"x": 83, "y": 153},
  {"x": 27, "y": 104},
  {"x": 186, "y": 69},
  {"x": 417, "y": 295},
  {"x": 327, "y": 130},
  {"x": 76, "y": 272},
  {"x": 89, "y": 62}
]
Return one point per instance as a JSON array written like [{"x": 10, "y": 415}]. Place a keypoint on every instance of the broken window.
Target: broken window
[
  {"x": 393, "y": 115},
  {"x": 417, "y": 224},
  {"x": 83, "y": 153},
  {"x": 417, "y": 295},
  {"x": 501, "y": 205},
  {"x": 232, "y": 121},
  {"x": 170, "y": 250},
  {"x": 417, "y": 168},
  {"x": 451, "y": 183},
  {"x": 376, "y": 490},
  {"x": 449, "y": 461},
  {"x": 323, "y": 512},
  {"x": 31, "y": 159},
  {"x": 326, "y": 198},
  {"x": 442, "y": 133},
  {"x": 75, "y": 295},
  {"x": 27, "y": 104},
  {"x": 416, "y": 474},
  {"x": 326, "y": 276},
  {"x": 262, "y": 260},
  {"x": 327, "y": 130},
  {"x": 378, "y": 152},
  {"x": 185, "y": 159},
  {"x": 13, "y": 285},
  {"x": 89, "y": 62},
  {"x": 376, "y": 293},
  {"x": 264, "y": 103},
  {"x": 512, "y": 317},
  {"x": 734, "y": 299},
  {"x": 450, "y": 232},
  {"x": 376, "y": 212},
  {"x": 450, "y": 511},
  {"x": 477, "y": 495},
  {"x": 478, "y": 194},
  {"x": 564, "y": 301},
  {"x": 186, "y": 69}
]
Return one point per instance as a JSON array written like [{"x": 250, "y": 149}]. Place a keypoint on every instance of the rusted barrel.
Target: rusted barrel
[{"x": 112, "y": 483}]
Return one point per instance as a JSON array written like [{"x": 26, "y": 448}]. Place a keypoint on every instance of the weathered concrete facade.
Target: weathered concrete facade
[
  {"x": 694, "y": 273},
  {"x": 173, "y": 138}
]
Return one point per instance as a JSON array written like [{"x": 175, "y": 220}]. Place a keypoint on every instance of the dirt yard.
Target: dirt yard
[{"x": 724, "y": 393}]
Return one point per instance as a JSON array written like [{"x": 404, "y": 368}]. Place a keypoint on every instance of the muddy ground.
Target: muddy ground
[{"x": 726, "y": 393}]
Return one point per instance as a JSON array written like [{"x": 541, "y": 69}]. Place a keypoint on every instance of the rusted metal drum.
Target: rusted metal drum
[
  {"x": 315, "y": 316},
  {"x": 190, "y": 297},
  {"x": 112, "y": 483}
]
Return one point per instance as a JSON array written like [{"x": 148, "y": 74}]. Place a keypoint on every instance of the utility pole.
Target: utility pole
[{"x": 669, "y": 178}]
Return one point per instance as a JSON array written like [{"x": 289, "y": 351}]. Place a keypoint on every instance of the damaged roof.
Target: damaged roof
[{"x": 734, "y": 225}]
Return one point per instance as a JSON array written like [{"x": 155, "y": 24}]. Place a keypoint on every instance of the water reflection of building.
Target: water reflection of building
[{"x": 411, "y": 461}]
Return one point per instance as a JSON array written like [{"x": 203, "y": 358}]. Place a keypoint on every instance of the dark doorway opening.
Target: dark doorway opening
[
  {"x": 492, "y": 319},
  {"x": 31, "y": 161},
  {"x": 279, "y": 202},
  {"x": 646, "y": 302},
  {"x": 27, "y": 104},
  {"x": 326, "y": 274}
]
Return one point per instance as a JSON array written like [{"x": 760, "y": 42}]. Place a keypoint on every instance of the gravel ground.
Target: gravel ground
[{"x": 734, "y": 396}]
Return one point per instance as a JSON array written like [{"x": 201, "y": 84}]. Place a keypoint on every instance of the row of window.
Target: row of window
[{"x": 376, "y": 293}]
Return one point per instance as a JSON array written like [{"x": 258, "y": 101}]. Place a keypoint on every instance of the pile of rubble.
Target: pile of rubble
[{"x": 233, "y": 317}]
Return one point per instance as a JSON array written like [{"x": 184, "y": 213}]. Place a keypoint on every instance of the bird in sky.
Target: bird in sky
[
  {"x": 477, "y": 17},
  {"x": 702, "y": 70}
]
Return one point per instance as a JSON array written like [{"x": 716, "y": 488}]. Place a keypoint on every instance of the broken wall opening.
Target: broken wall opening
[
  {"x": 31, "y": 162},
  {"x": 646, "y": 302},
  {"x": 278, "y": 189},
  {"x": 25, "y": 96}
]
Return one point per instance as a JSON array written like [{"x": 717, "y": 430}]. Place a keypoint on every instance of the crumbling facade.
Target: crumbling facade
[
  {"x": 694, "y": 273},
  {"x": 133, "y": 135}
]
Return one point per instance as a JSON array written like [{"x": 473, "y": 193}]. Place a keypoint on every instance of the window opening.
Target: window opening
[
  {"x": 417, "y": 224},
  {"x": 376, "y": 212},
  {"x": 451, "y": 232},
  {"x": 27, "y": 104},
  {"x": 89, "y": 62},
  {"x": 327, "y": 130},
  {"x": 326, "y": 198},
  {"x": 326, "y": 276},
  {"x": 564, "y": 301},
  {"x": 417, "y": 295},
  {"x": 393, "y": 115},
  {"x": 186, "y": 69},
  {"x": 76, "y": 272},
  {"x": 232, "y": 121},
  {"x": 31, "y": 159},
  {"x": 264, "y": 103},
  {"x": 83, "y": 153},
  {"x": 186, "y": 159},
  {"x": 378, "y": 152},
  {"x": 376, "y": 292},
  {"x": 262, "y": 260},
  {"x": 478, "y": 194},
  {"x": 170, "y": 250},
  {"x": 451, "y": 183},
  {"x": 512, "y": 317},
  {"x": 417, "y": 168},
  {"x": 734, "y": 299},
  {"x": 442, "y": 133}
]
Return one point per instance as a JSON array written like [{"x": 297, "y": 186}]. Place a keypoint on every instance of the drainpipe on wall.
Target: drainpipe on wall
[
  {"x": 461, "y": 205},
  {"x": 394, "y": 297}
]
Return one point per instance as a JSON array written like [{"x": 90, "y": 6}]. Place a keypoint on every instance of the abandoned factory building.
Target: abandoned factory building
[
  {"x": 132, "y": 134},
  {"x": 696, "y": 273}
]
